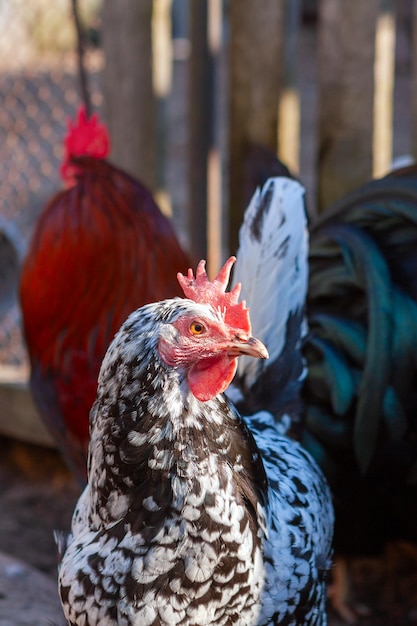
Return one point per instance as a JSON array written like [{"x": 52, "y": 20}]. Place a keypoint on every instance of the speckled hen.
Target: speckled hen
[{"x": 192, "y": 514}]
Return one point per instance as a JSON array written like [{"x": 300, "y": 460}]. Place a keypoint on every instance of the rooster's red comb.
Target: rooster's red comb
[
  {"x": 85, "y": 137},
  {"x": 201, "y": 290}
]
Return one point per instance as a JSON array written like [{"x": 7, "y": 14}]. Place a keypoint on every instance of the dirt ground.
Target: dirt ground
[{"x": 37, "y": 495}]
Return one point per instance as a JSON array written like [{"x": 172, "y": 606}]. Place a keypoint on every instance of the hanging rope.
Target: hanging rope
[{"x": 82, "y": 74}]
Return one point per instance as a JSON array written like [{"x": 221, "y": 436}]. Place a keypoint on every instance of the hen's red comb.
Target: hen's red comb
[
  {"x": 85, "y": 137},
  {"x": 200, "y": 289}
]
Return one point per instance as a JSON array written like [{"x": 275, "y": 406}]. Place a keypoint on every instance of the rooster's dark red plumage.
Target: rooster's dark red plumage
[{"x": 100, "y": 249}]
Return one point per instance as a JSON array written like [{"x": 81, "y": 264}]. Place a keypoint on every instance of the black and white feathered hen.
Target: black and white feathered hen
[{"x": 192, "y": 514}]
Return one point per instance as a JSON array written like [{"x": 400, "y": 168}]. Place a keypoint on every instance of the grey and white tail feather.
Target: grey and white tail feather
[
  {"x": 62, "y": 539},
  {"x": 272, "y": 265}
]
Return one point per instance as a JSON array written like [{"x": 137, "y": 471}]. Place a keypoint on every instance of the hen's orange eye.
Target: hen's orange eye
[{"x": 196, "y": 328}]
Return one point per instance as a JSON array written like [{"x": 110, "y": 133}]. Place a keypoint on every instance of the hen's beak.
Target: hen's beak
[{"x": 249, "y": 347}]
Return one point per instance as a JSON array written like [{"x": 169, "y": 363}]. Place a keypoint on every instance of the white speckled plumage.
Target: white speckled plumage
[
  {"x": 272, "y": 266},
  {"x": 192, "y": 515}
]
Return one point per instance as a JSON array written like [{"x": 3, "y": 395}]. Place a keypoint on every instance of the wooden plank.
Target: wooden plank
[
  {"x": 215, "y": 200},
  {"x": 162, "y": 82},
  {"x": 414, "y": 79},
  {"x": 255, "y": 72},
  {"x": 200, "y": 127},
  {"x": 384, "y": 72},
  {"x": 289, "y": 104},
  {"x": 128, "y": 106},
  {"x": 346, "y": 96},
  {"x": 19, "y": 419}
]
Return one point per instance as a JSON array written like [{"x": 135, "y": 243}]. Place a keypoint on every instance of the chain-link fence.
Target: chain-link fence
[{"x": 39, "y": 91}]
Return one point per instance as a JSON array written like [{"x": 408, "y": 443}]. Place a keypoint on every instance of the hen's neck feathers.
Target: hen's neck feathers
[{"x": 153, "y": 444}]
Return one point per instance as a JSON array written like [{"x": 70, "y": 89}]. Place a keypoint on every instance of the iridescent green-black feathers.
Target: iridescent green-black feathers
[{"x": 361, "y": 390}]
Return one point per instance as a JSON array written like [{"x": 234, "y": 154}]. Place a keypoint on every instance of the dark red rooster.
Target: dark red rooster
[{"x": 101, "y": 248}]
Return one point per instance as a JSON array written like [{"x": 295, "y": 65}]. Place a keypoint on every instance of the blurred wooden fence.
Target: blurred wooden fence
[
  {"x": 247, "y": 90},
  {"x": 200, "y": 95}
]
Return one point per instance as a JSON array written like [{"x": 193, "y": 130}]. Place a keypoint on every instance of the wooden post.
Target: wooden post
[
  {"x": 384, "y": 88},
  {"x": 127, "y": 86},
  {"x": 162, "y": 80},
  {"x": 215, "y": 216},
  {"x": 346, "y": 96},
  {"x": 414, "y": 82},
  {"x": 255, "y": 61},
  {"x": 201, "y": 127},
  {"x": 289, "y": 105}
]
